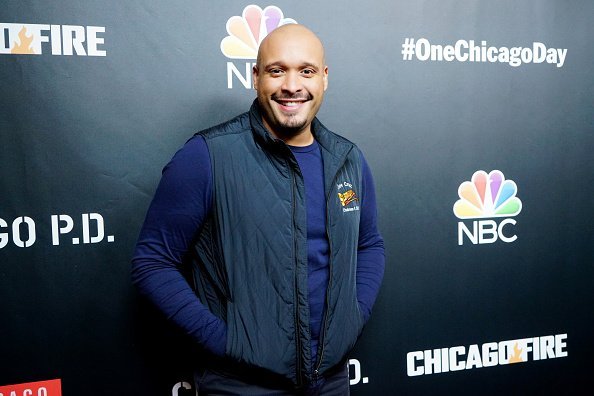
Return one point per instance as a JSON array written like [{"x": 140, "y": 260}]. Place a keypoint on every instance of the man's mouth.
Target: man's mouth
[{"x": 290, "y": 104}]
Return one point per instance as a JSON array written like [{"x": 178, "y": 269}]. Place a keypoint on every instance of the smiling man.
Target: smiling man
[{"x": 275, "y": 217}]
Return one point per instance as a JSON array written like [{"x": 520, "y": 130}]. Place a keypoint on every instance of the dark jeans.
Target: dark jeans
[{"x": 214, "y": 382}]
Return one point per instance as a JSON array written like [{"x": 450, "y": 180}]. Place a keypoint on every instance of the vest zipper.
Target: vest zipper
[
  {"x": 296, "y": 291},
  {"x": 316, "y": 371},
  {"x": 323, "y": 335}
]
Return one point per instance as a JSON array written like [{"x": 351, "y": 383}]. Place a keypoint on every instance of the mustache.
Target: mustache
[{"x": 306, "y": 96}]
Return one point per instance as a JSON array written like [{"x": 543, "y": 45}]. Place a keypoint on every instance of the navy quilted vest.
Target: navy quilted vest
[{"x": 252, "y": 266}]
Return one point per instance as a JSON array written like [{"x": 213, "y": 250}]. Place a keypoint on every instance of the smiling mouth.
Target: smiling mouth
[
  {"x": 289, "y": 104},
  {"x": 291, "y": 101}
]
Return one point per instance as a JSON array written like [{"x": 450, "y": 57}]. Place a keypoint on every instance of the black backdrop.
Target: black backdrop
[{"x": 84, "y": 137}]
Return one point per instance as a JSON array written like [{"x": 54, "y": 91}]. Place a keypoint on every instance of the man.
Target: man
[{"x": 276, "y": 217}]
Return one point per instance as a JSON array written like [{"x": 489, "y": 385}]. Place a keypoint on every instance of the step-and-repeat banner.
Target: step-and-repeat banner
[{"x": 476, "y": 118}]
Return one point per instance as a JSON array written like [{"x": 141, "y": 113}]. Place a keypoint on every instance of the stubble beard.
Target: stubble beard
[
  {"x": 292, "y": 125},
  {"x": 288, "y": 125}
]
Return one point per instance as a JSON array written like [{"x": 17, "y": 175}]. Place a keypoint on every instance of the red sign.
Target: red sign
[{"x": 40, "y": 388}]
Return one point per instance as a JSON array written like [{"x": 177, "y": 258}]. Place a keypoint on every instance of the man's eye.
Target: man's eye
[
  {"x": 308, "y": 72},
  {"x": 275, "y": 71}
]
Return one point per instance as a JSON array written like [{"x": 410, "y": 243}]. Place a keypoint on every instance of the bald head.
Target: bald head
[{"x": 288, "y": 36}]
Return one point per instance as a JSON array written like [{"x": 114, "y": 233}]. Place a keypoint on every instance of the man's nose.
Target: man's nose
[{"x": 292, "y": 82}]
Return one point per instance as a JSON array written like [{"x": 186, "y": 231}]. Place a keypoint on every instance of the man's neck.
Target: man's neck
[{"x": 300, "y": 139}]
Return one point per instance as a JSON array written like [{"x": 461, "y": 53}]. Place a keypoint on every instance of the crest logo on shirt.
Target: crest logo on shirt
[{"x": 348, "y": 197}]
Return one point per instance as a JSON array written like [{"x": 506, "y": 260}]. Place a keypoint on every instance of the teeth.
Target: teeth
[{"x": 286, "y": 104}]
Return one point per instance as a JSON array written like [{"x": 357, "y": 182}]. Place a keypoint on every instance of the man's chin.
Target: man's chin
[{"x": 291, "y": 128}]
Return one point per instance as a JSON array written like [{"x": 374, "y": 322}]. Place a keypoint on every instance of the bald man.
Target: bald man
[{"x": 275, "y": 217}]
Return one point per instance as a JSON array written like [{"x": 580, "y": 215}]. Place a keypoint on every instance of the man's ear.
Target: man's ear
[
  {"x": 325, "y": 78},
  {"x": 255, "y": 77}
]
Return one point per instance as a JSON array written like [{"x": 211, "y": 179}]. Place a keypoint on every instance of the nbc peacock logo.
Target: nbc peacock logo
[
  {"x": 246, "y": 32},
  {"x": 487, "y": 196}
]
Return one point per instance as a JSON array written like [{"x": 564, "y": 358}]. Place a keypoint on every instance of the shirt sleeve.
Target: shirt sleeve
[
  {"x": 370, "y": 253},
  {"x": 178, "y": 210}
]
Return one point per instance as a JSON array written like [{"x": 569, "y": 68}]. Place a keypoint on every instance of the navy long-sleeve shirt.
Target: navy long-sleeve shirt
[{"x": 182, "y": 203}]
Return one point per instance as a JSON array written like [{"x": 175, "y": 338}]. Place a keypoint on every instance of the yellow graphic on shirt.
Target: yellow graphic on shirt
[{"x": 347, "y": 197}]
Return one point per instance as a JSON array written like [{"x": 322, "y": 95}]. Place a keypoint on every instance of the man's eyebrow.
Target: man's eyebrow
[
  {"x": 312, "y": 65},
  {"x": 273, "y": 64},
  {"x": 282, "y": 64}
]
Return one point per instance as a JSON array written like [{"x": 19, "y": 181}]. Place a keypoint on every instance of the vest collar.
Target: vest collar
[
  {"x": 261, "y": 134},
  {"x": 335, "y": 145},
  {"x": 334, "y": 148}
]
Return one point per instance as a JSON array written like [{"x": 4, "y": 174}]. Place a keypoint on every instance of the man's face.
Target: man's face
[{"x": 290, "y": 78}]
